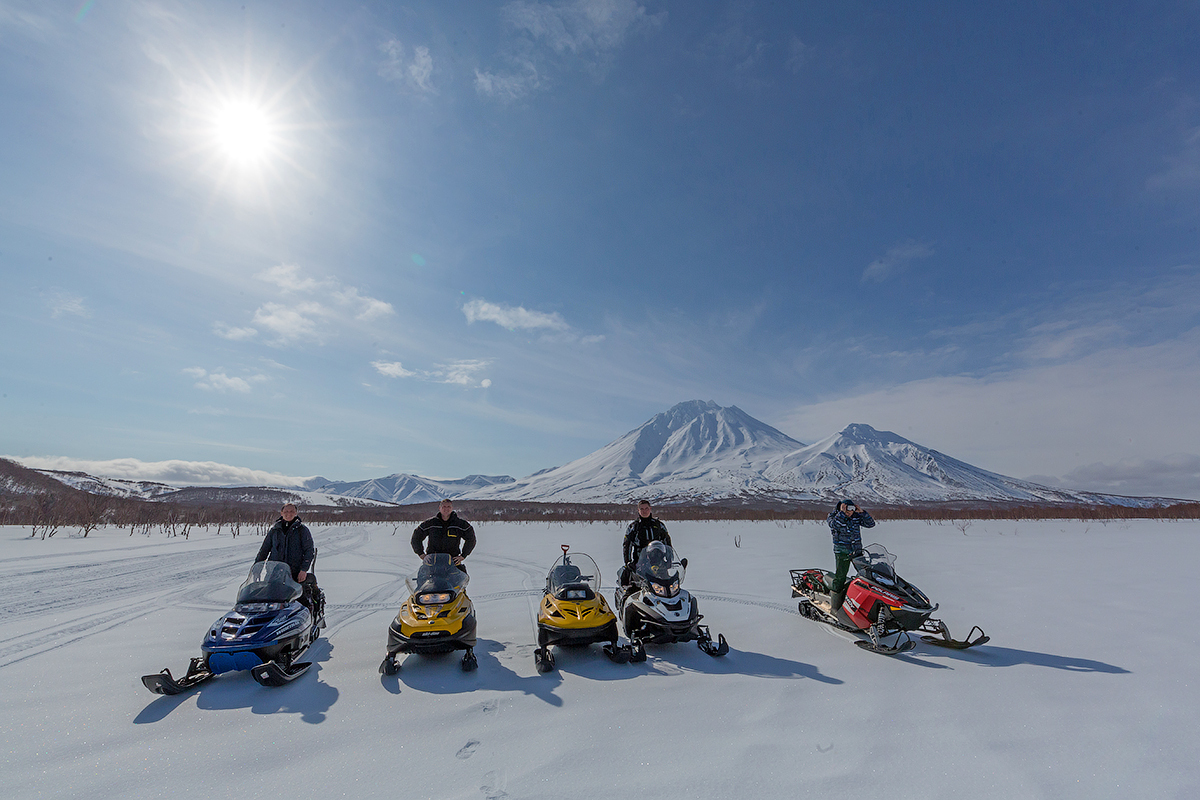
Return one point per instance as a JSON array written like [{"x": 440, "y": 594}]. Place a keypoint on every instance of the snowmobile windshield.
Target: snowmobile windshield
[
  {"x": 437, "y": 575},
  {"x": 876, "y": 562},
  {"x": 658, "y": 564},
  {"x": 269, "y": 582},
  {"x": 574, "y": 577}
]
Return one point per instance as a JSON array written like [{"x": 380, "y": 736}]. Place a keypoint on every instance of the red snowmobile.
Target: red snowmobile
[{"x": 879, "y": 603}]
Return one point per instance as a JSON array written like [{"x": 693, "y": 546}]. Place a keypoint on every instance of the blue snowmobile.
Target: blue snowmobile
[{"x": 266, "y": 632}]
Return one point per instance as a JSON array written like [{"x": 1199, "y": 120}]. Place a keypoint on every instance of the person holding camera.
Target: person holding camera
[{"x": 844, "y": 523}]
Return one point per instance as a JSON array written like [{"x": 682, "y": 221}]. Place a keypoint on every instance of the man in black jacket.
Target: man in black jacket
[
  {"x": 446, "y": 533},
  {"x": 641, "y": 532},
  {"x": 291, "y": 542}
]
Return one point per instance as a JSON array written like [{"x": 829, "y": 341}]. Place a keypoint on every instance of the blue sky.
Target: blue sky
[{"x": 447, "y": 238}]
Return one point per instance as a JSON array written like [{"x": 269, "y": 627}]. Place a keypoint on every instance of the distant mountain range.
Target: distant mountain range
[{"x": 694, "y": 452}]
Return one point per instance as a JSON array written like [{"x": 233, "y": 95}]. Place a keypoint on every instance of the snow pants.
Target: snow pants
[{"x": 843, "y": 558}]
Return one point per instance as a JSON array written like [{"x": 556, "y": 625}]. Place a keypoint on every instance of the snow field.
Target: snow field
[{"x": 1084, "y": 691}]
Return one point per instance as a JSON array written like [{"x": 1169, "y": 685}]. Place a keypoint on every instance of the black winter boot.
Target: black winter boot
[{"x": 836, "y": 599}]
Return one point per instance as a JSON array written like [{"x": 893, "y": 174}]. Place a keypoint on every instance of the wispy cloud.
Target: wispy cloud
[
  {"x": 310, "y": 309},
  {"x": 24, "y": 20},
  {"x": 411, "y": 74},
  {"x": 179, "y": 473},
  {"x": 512, "y": 318},
  {"x": 513, "y": 85},
  {"x": 462, "y": 373},
  {"x": 233, "y": 333},
  {"x": 896, "y": 259},
  {"x": 583, "y": 26},
  {"x": 1173, "y": 475},
  {"x": 292, "y": 322},
  {"x": 393, "y": 369},
  {"x": 62, "y": 304},
  {"x": 583, "y": 32},
  {"x": 221, "y": 382}
]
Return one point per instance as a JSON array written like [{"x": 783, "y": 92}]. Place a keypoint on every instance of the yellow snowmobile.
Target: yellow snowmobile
[
  {"x": 573, "y": 613},
  {"x": 437, "y": 617}
]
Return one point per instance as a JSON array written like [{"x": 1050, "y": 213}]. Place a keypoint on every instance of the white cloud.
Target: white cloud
[
  {"x": 293, "y": 322},
  {"x": 512, "y": 318},
  {"x": 299, "y": 316},
  {"x": 511, "y": 86},
  {"x": 392, "y": 369},
  {"x": 460, "y": 373},
  {"x": 288, "y": 278},
  {"x": 414, "y": 75},
  {"x": 61, "y": 304},
  {"x": 895, "y": 260},
  {"x": 233, "y": 333},
  {"x": 363, "y": 308},
  {"x": 219, "y": 381},
  {"x": 179, "y": 473}
]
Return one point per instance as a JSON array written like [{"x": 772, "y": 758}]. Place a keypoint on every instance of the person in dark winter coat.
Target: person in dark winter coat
[
  {"x": 291, "y": 542},
  {"x": 445, "y": 533},
  {"x": 844, "y": 523},
  {"x": 641, "y": 532}
]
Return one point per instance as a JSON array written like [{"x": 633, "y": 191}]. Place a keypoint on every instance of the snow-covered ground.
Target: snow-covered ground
[{"x": 1087, "y": 688}]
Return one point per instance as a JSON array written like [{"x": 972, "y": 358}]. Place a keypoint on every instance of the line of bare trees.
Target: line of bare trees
[{"x": 48, "y": 512}]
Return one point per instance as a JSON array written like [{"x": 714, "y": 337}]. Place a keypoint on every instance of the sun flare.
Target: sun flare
[{"x": 243, "y": 132}]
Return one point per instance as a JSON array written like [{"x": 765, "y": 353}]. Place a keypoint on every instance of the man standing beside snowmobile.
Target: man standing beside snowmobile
[
  {"x": 641, "y": 532},
  {"x": 291, "y": 542},
  {"x": 844, "y": 524},
  {"x": 447, "y": 533}
]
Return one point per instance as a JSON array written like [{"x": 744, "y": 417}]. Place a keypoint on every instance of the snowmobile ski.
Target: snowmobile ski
[
  {"x": 947, "y": 640},
  {"x": 165, "y": 684},
  {"x": 274, "y": 673},
  {"x": 715, "y": 649}
]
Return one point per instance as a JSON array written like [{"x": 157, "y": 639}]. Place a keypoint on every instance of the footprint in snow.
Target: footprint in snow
[
  {"x": 493, "y": 786},
  {"x": 467, "y": 750}
]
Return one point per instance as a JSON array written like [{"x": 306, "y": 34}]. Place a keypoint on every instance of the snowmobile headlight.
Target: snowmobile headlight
[
  {"x": 576, "y": 594},
  {"x": 666, "y": 590},
  {"x": 434, "y": 598}
]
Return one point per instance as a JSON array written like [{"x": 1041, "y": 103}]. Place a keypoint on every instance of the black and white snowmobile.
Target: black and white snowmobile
[
  {"x": 655, "y": 608},
  {"x": 266, "y": 632},
  {"x": 878, "y": 604}
]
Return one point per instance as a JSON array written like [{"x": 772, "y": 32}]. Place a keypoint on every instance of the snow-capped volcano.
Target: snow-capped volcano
[
  {"x": 880, "y": 466},
  {"x": 700, "y": 451},
  {"x": 695, "y": 449},
  {"x": 412, "y": 489}
]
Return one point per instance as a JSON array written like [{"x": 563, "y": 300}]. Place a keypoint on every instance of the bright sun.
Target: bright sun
[{"x": 243, "y": 132}]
